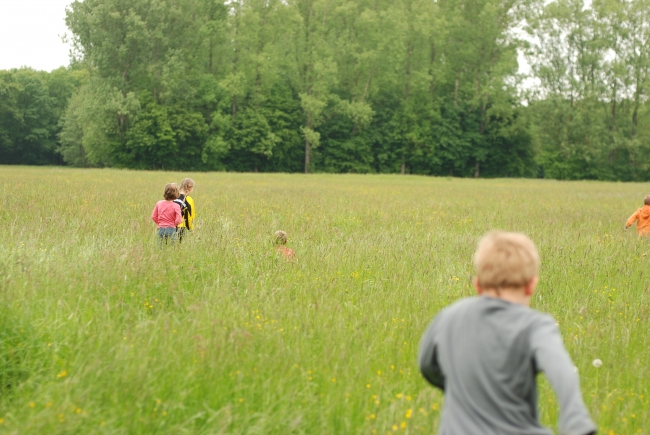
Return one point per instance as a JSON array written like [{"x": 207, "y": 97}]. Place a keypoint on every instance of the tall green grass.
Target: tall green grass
[{"x": 103, "y": 332}]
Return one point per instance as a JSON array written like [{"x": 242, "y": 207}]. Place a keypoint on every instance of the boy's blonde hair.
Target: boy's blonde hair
[
  {"x": 186, "y": 184},
  {"x": 171, "y": 192},
  {"x": 281, "y": 238},
  {"x": 505, "y": 260},
  {"x": 646, "y": 200}
]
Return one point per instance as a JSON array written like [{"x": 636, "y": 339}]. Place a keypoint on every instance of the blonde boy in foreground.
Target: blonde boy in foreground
[
  {"x": 642, "y": 218},
  {"x": 484, "y": 352}
]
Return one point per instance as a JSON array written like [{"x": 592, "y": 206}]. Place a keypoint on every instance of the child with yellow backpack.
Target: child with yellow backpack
[{"x": 188, "y": 209}]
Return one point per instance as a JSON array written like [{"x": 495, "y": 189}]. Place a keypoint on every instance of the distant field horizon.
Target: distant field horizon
[{"x": 182, "y": 174}]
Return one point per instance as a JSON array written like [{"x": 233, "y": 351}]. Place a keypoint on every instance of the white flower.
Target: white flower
[{"x": 597, "y": 363}]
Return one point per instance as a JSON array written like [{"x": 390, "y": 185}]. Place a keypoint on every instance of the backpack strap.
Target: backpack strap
[
  {"x": 186, "y": 211},
  {"x": 181, "y": 204},
  {"x": 186, "y": 214}
]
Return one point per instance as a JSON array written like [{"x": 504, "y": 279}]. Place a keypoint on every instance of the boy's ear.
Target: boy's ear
[
  {"x": 477, "y": 286},
  {"x": 530, "y": 287}
]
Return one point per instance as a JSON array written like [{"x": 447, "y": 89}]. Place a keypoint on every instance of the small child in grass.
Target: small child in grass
[
  {"x": 167, "y": 215},
  {"x": 485, "y": 352},
  {"x": 281, "y": 240},
  {"x": 642, "y": 218},
  {"x": 188, "y": 209}
]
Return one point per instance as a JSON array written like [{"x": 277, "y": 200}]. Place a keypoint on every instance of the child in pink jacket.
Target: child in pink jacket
[{"x": 167, "y": 215}]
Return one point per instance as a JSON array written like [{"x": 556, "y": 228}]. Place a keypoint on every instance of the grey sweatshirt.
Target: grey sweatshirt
[{"x": 485, "y": 353}]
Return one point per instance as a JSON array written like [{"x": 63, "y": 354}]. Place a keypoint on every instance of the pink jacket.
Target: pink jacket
[{"x": 166, "y": 214}]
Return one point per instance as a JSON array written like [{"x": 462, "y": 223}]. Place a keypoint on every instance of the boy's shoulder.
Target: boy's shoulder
[
  {"x": 484, "y": 306},
  {"x": 465, "y": 304}
]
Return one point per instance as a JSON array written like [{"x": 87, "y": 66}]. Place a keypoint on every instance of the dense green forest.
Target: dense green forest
[{"x": 367, "y": 86}]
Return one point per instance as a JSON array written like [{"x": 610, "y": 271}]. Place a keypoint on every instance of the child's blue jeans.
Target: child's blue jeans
[{"x": 166, "y": 234}]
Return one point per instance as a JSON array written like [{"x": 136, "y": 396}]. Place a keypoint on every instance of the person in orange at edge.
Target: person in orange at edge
[
  {"x": 280, "y": 242},
  {"x": 642, "y": 218}
]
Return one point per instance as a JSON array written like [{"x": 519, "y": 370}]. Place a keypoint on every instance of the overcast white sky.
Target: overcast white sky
[{"x": 30, "y": 34}]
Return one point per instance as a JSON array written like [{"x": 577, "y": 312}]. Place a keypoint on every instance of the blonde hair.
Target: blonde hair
[
  {"x": 646, "y": 200},
  {"x": 281, "y": 238},
  {"x": 171, "y": 192},
  {"x": 505, "y": 260},
  {"x": 186, "y": 184}
]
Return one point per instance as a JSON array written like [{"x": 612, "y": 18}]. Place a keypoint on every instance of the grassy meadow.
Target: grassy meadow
[{"x": 103, "y": 332}]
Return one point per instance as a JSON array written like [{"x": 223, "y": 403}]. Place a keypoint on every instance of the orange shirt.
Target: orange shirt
[
  {"x": 642, "y": 219},
  {"x": 286, "y": 252}
]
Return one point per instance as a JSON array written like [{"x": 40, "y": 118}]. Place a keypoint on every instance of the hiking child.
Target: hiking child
[
  {"x": 167, "y": 215},
  {"x": 641, "y": 217},
  {"x": 281, "y": 240},
  {"x": 485, "y": 352},
  {"x": 188, "y": 209}
]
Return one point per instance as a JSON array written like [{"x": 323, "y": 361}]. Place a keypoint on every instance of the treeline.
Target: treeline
[
  {"x": 591, "y": 115},
  {"x": 32, "y": 105},
  {"x": 410, "y": 86}
]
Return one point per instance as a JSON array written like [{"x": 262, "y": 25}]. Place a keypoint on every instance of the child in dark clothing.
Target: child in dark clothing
[{"x": 485, "y": 352}]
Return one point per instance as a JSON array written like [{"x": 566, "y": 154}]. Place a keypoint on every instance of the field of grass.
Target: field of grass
[{"x": 103, "y": 332}]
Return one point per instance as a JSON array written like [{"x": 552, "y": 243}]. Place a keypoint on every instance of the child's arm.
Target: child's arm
[
  {"x": 154, "y": 214},
  {"x": 552, "y": 358},
  {"x": 428, "y": 358},
  {"x": 632, "y": 219}
]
